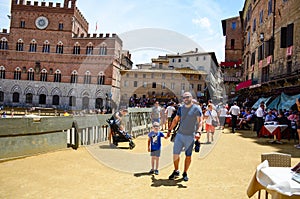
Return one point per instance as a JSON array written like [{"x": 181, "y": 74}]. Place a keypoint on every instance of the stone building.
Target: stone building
[
  {"x": 48, "y": 59},
  {"x": 232, "y": 66},
  {"x": 169, "y": 76},
  {"x": 271, "y": 48}
]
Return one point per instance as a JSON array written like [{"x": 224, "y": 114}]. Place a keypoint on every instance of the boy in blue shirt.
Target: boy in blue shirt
[{"x": 154, "y": 146}]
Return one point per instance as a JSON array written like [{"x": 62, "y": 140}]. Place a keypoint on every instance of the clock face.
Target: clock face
[{"x": 41, "y": 22}]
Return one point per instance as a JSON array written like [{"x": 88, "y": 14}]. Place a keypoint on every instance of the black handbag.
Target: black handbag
[
  {"x": 173, "y": 136},
  {"x": 181, "y": 119},
  {"x": 197, "y": 146}
]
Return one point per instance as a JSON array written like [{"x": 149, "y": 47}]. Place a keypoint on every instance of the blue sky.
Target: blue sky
[{"x": 198, "y": 20}]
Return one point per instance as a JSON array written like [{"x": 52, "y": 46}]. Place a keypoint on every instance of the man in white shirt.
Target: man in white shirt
[
  {"x": 260, "y": 113},
  {"x": 235, "y": 112}
]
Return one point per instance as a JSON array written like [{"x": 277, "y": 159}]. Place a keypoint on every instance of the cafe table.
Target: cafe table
[
  {"x": 273, "y": 129},
  {"x": 276, "y": 180}
]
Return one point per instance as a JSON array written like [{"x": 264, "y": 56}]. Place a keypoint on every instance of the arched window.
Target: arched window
[
  {"x": 43, "y": 77},
  {"x": 46, "y": 47},
  {"x": 103, "y": 50},
  {"x": 57, "y": 76},
  {"x": 30, "y": 74},
  {"x": 101, "y": 79},
  {"x": 3, "y": 44},
  {"x": 99, "y": 103},
  {"x": 42, "y": 99},
  {"x": 89, "y": 49},
  {"x": 74, "y": 77},
  {"x": 28, "y": 99},
  {"x": 32, "y": 46},
  {"x": 16, "y": 97},
  {"x": 55, "y": 100},
  {"x": 17, "y": 73},
  {"x": 20, "y": 45},
  {"x": 60, "y": 48},
  {"x": 76, "y": 49},
  {"x": 87, "y": 77},
  {"x": 72, "y": 101},
  {"x": 1, "y": 96},
  {"x": 2, "y": 72},
  {"x": 85, "y": 103}
]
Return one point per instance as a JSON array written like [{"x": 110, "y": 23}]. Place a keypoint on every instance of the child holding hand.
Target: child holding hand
[{"x": 154, "y": 146}]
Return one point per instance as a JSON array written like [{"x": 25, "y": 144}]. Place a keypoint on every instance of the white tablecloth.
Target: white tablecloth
[
  {"x": 271, "y": 128},
  {"x": 277, "y": 180}
]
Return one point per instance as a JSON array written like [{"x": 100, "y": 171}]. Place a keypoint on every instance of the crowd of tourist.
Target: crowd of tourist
[{"x": 242, "y": 116}]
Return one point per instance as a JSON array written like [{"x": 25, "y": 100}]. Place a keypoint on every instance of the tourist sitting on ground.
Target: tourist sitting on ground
[
  {"x": 245, "y": 122},
  {"x": 270, "y": 117}
]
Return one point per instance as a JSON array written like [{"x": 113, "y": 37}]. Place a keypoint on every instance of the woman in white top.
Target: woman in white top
[
  {"x": 222, "y": 116},
  {"x": 210, "y": 115}
]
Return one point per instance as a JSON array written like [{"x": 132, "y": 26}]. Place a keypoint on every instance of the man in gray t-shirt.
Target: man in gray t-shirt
[
  {"x": 190, "y": 119},
  {"x": 155, "y": 114}
]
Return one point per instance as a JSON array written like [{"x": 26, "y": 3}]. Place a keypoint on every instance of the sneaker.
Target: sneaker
[
  {"x": 151, "y": 171},
  {"x": 174, "y": 175},
  {"x": 184, "y": 176},
  {"x": 156, "y": 172},
  {"x": 297, "y": 146}
]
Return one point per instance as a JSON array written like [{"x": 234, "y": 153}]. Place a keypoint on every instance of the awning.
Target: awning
[
  {"x": 244, "y": 84},
  {"x": 262, "y": 99},
  {"x": 231, "y": 64}
]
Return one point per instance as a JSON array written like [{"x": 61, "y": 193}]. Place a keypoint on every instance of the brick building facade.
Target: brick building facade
[
  {"x": 48, "y": 59},
  {"x": 271, "y": 49},
  {"x": 232, "y": 66}
]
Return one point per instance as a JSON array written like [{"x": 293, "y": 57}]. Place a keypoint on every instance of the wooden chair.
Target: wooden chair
[{"x": 276, "y": 160}]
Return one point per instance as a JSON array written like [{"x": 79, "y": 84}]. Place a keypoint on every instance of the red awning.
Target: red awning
[
  {"x": 231, "y": 64},
  {"x": 244, "y": 84}
]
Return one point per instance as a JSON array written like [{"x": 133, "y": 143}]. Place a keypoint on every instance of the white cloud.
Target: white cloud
[{"x": 202, "y": 22}]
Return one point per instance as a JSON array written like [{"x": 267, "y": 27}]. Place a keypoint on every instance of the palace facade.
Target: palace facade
[
  {"x": 167, "y": 77},
  {"x": 48, "y": 59}
]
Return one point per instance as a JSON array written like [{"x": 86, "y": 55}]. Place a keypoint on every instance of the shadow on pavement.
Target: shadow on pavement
[
  {"x": 287, "y": 146},
  {"x": 112, "y": 147},
  {"x": 162, "y": 182},
  {"x": 166, "y": 182},
  {"x": 142, "y": 174}
]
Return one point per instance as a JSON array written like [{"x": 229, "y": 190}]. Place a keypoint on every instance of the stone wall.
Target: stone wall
[{"x": 21, "y": 137}]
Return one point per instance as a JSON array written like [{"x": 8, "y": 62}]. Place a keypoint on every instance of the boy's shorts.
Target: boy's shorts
[
  {"x": 183, "y": 141},
  {"x": 155, "y": 153}
]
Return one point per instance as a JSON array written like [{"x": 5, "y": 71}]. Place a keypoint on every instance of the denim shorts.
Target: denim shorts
[
  {"x": 155, "y": 153},
  {"x": 183, "y": 141}
]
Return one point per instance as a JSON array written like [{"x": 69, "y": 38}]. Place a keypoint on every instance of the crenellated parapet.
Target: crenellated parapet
[
  {"x": 95, "y": 35},
  {"x": 4, "y": 31},
  {"x": 68, "y": 4},
  {"x": 99, "y": 36}
]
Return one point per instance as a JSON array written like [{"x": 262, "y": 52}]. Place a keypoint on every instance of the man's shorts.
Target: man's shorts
[
  {"x": 155, "y": 153},
  {"x": 185, "y": 142}
]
